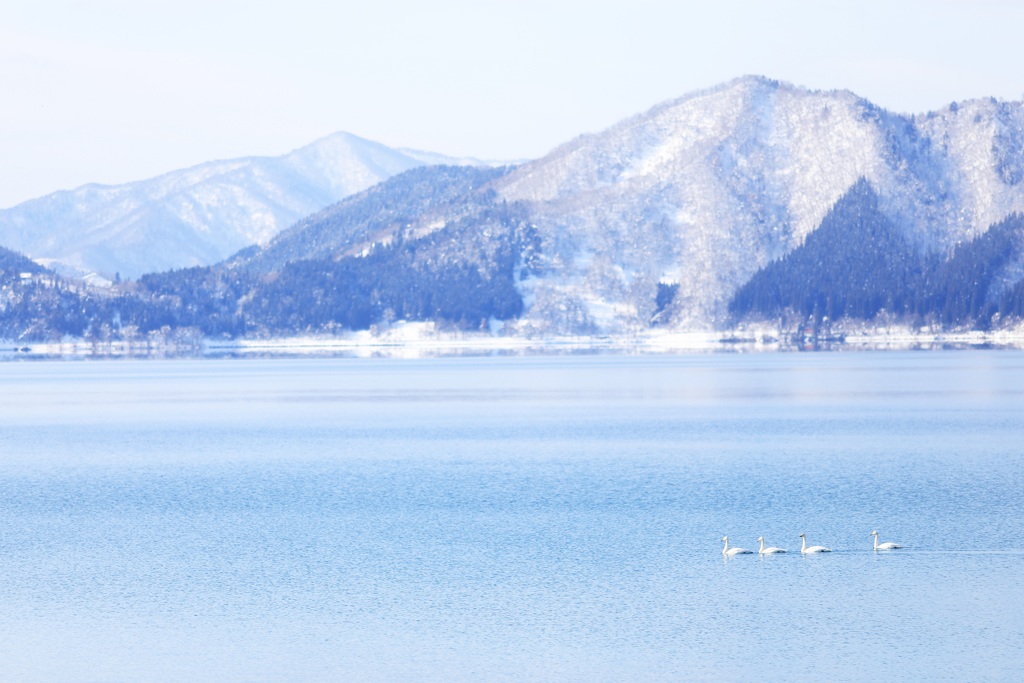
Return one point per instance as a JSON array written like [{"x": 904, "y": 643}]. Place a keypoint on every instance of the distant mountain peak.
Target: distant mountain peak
[{"x": 198, "y": 215}]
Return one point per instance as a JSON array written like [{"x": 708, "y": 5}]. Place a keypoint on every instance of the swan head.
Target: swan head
[
  {"x": 874, "y": 533},
  {"x": 725, "y": 538},
  {"x": 803, "y": 535},
  {"x": 760, "y": 539}
]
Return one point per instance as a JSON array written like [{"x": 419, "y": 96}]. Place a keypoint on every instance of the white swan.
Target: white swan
[
  {"x": 884, "y": 546},
  {"x": 768, "y": 551},
  {"x": 729, "y": 552},
  {"x": 813, "y": 549}
]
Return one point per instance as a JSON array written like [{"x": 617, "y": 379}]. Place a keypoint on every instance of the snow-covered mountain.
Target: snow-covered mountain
[
  {"x": 666, "y": 219},
  {"x": 706, "y": 189},
  {"x": 199, "y": 215}
]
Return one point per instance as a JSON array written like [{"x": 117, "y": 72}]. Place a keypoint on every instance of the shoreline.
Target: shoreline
[{"x": 422, "y": 340}]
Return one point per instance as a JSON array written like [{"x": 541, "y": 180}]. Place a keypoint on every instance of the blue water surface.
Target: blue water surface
[{"x": 512, "y": 518}]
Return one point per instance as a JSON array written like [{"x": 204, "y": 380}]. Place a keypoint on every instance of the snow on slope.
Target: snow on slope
[
  {"x": 980, "y": 144},
  {"x": 195, "y": 216},
  {"x": 704, "y": 190}
]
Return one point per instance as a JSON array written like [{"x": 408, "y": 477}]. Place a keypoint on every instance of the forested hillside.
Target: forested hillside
[
  {"x": 855, "y": 264},
  {"x": 858, "y": 265},
  {"x": 412, "y": 203},
  {"x": 461, "y": 272}
]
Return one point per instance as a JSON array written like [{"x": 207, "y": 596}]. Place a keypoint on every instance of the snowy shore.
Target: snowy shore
[{"x": 413, "y": 340}]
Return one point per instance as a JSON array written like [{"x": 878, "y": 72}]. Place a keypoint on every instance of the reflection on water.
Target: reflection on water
[{"x": 511, "y": 518}]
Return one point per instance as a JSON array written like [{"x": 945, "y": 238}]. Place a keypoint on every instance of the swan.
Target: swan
[
  {"x": 729, "y": 552},
  {"x": 768, "y": 551},
  {"x": 813, "y": 549},
  {"x": 884, "y": 546}
]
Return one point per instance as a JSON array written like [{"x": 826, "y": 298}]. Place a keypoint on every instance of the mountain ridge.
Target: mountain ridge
[{"x": 198, "y": 215}]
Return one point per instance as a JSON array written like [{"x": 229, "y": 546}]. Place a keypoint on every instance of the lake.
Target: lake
[{"x": 549, "y": 518}]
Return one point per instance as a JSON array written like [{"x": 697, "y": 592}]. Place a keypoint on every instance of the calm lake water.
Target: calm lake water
[{"x": 512, "y": 518}]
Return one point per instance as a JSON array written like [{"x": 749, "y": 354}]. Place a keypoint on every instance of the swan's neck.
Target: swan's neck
[
  {"x": 726, "y": 548},
  {"x": 761, "y": 550},
  {"x": 803, "y": 544},
  {"x": 876, "y": 541}
]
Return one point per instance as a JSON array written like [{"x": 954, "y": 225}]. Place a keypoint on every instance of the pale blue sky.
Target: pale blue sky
[{"x": 117, "y": 90}]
